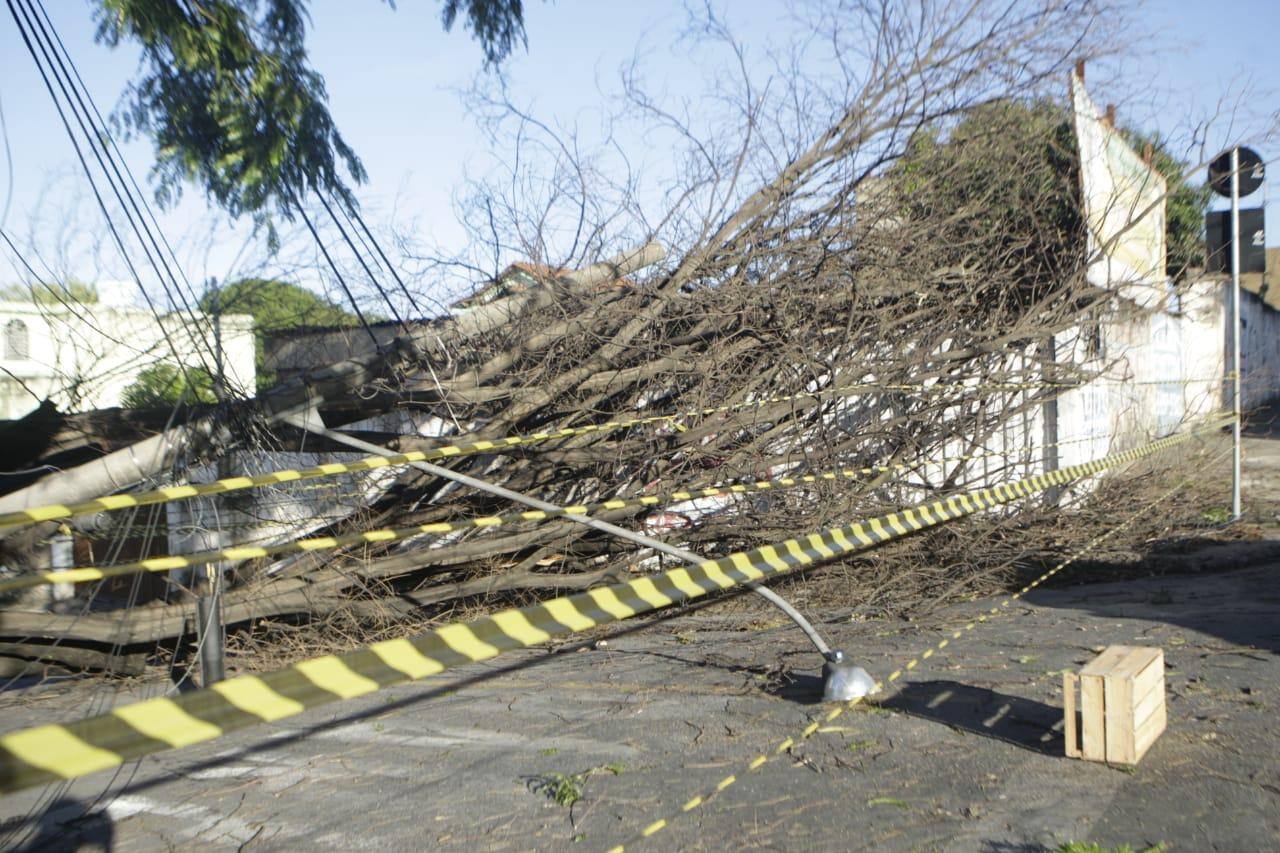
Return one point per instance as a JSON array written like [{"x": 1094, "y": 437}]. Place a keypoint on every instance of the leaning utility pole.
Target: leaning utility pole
[{"x": 210, "y": 631}]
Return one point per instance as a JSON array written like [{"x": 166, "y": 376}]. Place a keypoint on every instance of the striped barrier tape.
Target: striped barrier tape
[
  {"x": 47, "y": 753},
  {"x": 382, "y": 536},
  {"x": 56, "y": 512},
  {"x": 831, "y": 716},
  {"x": 108, "y": 503}
]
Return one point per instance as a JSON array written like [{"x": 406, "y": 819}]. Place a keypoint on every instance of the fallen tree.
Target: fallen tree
[{"x": 803, "y": 260}]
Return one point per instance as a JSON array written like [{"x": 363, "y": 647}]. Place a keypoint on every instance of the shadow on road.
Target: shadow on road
[
  {"x": 1226, "y": 590},
  {"x": 67, "y": 824},
  {"x": 1021, "y": 722}
]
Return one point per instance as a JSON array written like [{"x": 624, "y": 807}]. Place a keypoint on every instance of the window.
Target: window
[{"x": 17, "y": 342}]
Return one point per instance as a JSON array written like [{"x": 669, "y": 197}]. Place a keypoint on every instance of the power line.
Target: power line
[
  {"x": 337, "y": 273},
  {"x": 360, "y": 258},
  {"x": 351, "y": 211},
  {"x": 101, "y": 128},
  {"x": 354, "y": 213},
  {"x": 73, "y": 307},
  {"x": 93, "y": 185},
  {"x": 91, "y": 135}
]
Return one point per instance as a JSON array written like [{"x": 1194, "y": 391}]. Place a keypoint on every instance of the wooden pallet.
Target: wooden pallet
[{"x": 1121, "y": 705}]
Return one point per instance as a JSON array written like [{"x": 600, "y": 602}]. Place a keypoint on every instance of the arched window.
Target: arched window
[{"x": 17, "y": 341}]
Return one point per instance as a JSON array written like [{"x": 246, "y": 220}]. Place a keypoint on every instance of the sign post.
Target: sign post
[
  {"x": 1236, "y": 509},
  {"x": 1234, "y": 173}
]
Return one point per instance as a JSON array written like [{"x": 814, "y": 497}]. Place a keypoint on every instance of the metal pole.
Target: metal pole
[
  {"x": 1049, "y": 372},
  {"x": 311, "y": 423},
  {"x": 219, "y": 376},
  {"x": 1235, "y": 331},
  {"x": 209, "y": 629},
  {"x": 210, "y": 632},
  {"x": 62, "y": 556}
]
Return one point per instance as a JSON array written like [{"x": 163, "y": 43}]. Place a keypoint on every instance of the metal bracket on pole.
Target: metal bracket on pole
[{"x": 311, "y": 422}]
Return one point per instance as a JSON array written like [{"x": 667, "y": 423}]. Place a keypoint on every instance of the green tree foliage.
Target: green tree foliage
[
  {"x": 45, "y": 293},
  {"x": 1003, "y": 184},
  {"x": 497, "y": 24},
  {"x": 275, "y": 306},
  {"x": 1005, "y": 181},
  {"x": 227, "y": 93},
  {"x": 163, "y": 386}
]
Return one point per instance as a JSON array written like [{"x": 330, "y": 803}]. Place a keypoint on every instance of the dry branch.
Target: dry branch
[{"x": 830, "y": 269}]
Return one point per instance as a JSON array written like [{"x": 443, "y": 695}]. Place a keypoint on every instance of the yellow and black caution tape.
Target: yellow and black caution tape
[
  {"x": 815, "y": 726},
  {"x": 85, "y": 574},
  {"x": 64, "y": 751},
  {"x": 107, "y": 503},
  {"x": 54, "y": 512}
]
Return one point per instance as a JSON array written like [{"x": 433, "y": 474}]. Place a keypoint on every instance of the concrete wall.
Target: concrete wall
[
  {"x": 84, "y": 356},
  {"x": 289, "y": 353},
  {"x": 1259, "y": 352},
  {"x": 1161, "y": 370}
]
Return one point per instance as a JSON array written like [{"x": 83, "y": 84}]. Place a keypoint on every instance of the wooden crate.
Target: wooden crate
[{"x": 1121, "y": 705}]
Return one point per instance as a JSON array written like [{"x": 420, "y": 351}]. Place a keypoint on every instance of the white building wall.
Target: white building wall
[
  {"x": 1204, "y": 307},
  {"x": 1259, "y": 352},
  {"x": 1162, "y": 370},
  {"x": 84, "y": 356}
]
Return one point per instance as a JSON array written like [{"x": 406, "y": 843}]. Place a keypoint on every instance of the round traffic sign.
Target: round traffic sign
[{"x": 1252, "y": 172}]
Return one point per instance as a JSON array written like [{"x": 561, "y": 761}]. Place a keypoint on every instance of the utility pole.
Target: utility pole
[{"x": 210, "y": 632}]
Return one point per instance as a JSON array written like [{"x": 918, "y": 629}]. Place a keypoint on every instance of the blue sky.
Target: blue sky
[{"x": 395, "y": 77}]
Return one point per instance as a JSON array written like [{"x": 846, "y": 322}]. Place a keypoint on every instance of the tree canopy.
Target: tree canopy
[
  {"x": 275, "y": 306},
  {"x": 164, "y": 386},
  {"x": 1003, "y": 183},
  {"x": 45, "y": 293},
  {"x": 228, "y": 95},
  {"x": 1008, "y": 173}
]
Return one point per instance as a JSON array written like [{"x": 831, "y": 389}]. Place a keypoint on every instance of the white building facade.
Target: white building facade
[
  {"x": 82, "y": 356},
  {"x": 1158, "y": 348},
  {"x": 1260, "y": 334}
]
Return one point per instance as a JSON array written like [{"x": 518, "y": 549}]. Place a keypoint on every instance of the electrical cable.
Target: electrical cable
[
  {"x": 360, "y": 259},
  {"x": 377, "y": 346},
  {"x": 354, "y": 213},
  {"x": 28, "y": 17},
  {"x": 102, "y": 132}
]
